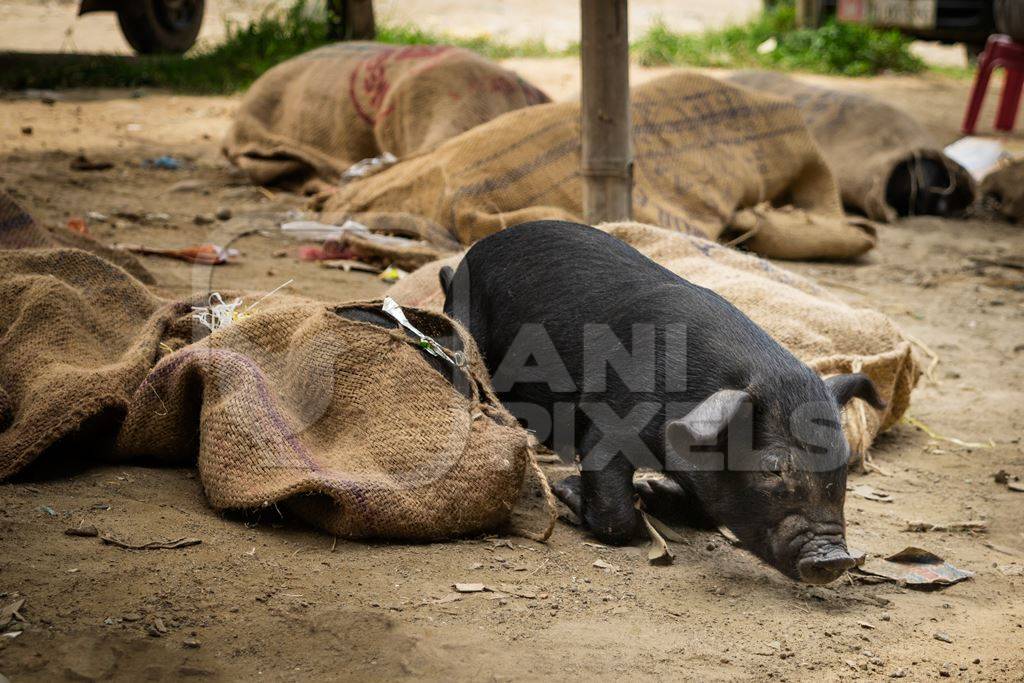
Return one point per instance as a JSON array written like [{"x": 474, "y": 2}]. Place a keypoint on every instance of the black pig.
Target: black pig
[{"x": 753, "y": 435}]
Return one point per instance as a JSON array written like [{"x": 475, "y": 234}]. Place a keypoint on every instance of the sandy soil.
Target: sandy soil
[{"x": 268, "y": 597}]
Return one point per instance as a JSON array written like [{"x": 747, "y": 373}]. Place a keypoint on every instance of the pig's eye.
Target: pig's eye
[{"x": 775, "y": 464}]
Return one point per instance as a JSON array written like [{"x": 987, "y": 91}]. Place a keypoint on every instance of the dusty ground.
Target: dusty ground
[{"x": 270, "y": 598}]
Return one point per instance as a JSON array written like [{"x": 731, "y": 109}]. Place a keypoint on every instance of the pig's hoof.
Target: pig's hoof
[
  {"x": 663, "y": 498},
  {"x": 666, "y": 500},
  {"x": 569, "y": 491}
]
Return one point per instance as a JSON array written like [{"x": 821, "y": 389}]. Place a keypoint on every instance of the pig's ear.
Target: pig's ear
[
  {"x": 446, "y": 275},
  {"x": 857, "y": 385},
  {"x": 703, "y": 424}
]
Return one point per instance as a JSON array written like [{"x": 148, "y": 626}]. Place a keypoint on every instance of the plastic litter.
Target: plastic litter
[
  {"x": 164, "y": 163},
  {"x": 369, "y": 166},
  {"x": 979, "y": 156},
  {"x": 392, "y": 308},
  {"x": 916, "y": 568}
]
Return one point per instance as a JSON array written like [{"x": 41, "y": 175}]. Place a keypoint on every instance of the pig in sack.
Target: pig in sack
[{"x": 747, "y": 435}]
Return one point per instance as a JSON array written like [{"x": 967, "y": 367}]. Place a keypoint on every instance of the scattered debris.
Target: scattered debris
[
  {"x": 189, "y": 185},
  {"x": 608, "y": 567},
  {"x": 870, "y": 493},
  {"x": 914, "y": 422},
  {"x": 469, "y": 587},
  {"x": 392, "y": 274},
  {"x": 367, "y": 167},
  {"x": 728, "y": 535},
  {"x": 156, "y": 628},
  {"x": 667, "y": 532},
  {"x": 76, "y": 224},
  {"x": 183, "y": 542},
  {"x": 916, "y": 568},
  {"x": 163, "y": 163},
  {"x": 203, "y": 254},
  {"x": 349, "y": 265},
  {"x": 82, "y": 163},
  {"x": 658, "y": 552},
  {"x": 12, "y": 612},
  {"x": 970, "y": 527},
  {"x": 88, "y": 531},
  {"x": 1000, "y": 549}
]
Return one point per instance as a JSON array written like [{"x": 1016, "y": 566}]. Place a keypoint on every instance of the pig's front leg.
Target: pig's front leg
[
  {"x": 603, "y": 500},
  {"x": 670, "y": 503}
]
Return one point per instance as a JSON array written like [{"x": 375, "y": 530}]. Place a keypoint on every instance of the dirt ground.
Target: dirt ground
[{"x": 269, "y": 598}]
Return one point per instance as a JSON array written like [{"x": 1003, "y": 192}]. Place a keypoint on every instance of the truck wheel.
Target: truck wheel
[
  {"x": 169, "y": 26},
  {"x": 1010, "y": 18}
]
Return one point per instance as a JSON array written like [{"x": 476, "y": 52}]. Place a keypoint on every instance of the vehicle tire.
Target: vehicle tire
[
  {"x": 161, "y": 26},
  {"x": 1010, "y": 18}
]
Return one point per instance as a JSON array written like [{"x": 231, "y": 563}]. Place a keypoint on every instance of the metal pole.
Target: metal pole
[
  {"x": 607, "y": 155},
  {"x": 350, "y": 20}
]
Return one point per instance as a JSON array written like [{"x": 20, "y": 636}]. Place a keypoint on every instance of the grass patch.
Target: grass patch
[
  {"x": 247, "y": 52},
  {"x": 835, "y": 48},
  {"x": 280, "y": 34}
]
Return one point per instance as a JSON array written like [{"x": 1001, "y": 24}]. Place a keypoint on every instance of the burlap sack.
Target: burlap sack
[
  {"x": 705, "y": 151},
  {"x": 313, "y": 116},
  {"x": 1003, "y": 190},
  {"x": 819, "y": 329},
  {"x": 348, "y": 422},
  {"x": 867, "y": 144},
  {"x": 19, "y": 230}
]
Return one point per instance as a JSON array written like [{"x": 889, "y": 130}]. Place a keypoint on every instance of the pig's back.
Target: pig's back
[{"x": 566, "y": 275}]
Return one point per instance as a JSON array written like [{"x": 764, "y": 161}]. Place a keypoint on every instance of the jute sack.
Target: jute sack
[
  {"x": 1003, "y": 189},
  {"x": 18, "y": 230},
  {"x": 331, "y": 411},
  {"x": 310, "y": 118},
  {"x": 709, "y": 158},
  {"x": 830, "y": 336},
  {"x": 868, "y": 144}
]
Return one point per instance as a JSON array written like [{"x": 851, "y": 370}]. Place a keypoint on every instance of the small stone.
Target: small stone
[
  {"x": 88, "y": 531},
  {"x": 223, "y": 213},
  {"x": 944, "y": 637},
  {"x": 134, "y": 616},
  {"x": 26, "y": 130},
  {"x": 898, "y": 673},
  {"x": 203, "y": 219},
  {"x": 191, "y": 643}
]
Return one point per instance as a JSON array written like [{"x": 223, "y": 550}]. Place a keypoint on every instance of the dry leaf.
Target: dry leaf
[{"x": 659, "y": 552}]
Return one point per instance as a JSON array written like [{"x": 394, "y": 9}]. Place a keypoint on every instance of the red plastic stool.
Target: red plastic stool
[{"x": 1000, "y": 51}]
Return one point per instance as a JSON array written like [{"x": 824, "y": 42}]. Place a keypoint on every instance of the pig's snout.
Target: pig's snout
[{"x": 825, "y": 567}]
